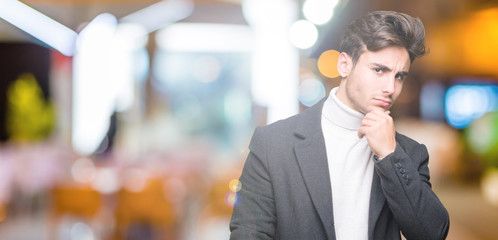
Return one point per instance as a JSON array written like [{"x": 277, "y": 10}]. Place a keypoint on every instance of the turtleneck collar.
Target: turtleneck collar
[{"x": 338, "y": 113}]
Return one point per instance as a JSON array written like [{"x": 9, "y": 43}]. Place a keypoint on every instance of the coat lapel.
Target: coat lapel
[{"x": 312, "y": 159}]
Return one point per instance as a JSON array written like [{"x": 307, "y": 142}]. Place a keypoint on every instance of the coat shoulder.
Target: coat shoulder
[
  {"x": 405, "y": 140},
  {"x": 301, "y": 124}
]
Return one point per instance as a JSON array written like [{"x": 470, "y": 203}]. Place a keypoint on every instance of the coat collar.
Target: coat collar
[{"x": 310, "y": 121}]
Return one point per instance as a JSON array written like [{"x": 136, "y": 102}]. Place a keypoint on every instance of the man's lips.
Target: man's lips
[{"x": 383, "y": 102}]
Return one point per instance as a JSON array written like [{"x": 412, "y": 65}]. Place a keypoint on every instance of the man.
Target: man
[{"x": 339, "y": 170}]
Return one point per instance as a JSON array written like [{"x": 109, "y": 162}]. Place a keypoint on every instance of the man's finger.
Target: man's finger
[{"x": 361, "y": 132}]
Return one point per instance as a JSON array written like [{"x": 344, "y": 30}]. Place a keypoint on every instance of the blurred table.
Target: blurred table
[{"x": 471, "y": 217}]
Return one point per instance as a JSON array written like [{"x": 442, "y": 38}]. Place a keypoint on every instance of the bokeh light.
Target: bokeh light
[
  {"x": 232, "y": 199},
  {"x": 106, "y": 180},
  {"x": 303, "y": 34},
  {"x": 327, "y": 63},
  {"x": 489, "y": 185},
  {"x": 319, "y": 11},
  {"x": 81, "y": 231},
  {"x": 465, "y": 103},
  {"x": 134, "y": 179},
  {"x": 235, "y": 185},
  {"x": 311, "y": 90},
  {"x": 272, "y": 14},
  {"x": 83, "y": 170},
  {"x": 482, "y": 136}
]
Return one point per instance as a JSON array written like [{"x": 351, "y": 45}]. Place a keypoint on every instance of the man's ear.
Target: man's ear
[{"x": 344, "y": 64}]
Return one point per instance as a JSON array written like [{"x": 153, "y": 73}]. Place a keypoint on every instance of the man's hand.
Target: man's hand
[{"x": 378, "y": 127}]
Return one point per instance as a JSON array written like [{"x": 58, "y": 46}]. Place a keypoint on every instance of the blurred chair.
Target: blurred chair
[
  {"x": 3, "y": 212},
  {"x": 73, "y": 201},
  {"x": 77, "y": 200}
]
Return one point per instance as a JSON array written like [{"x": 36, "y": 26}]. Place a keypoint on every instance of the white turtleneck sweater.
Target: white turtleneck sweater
[{"x": 351, "y": 168}]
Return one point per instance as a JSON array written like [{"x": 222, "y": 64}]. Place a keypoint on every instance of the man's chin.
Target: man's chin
[{"x": 380, "y": 108}]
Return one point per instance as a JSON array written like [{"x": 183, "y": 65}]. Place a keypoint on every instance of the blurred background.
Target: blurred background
[{"x": 130, "y": 119}]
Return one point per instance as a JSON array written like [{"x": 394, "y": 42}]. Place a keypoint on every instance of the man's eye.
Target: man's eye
[
  {"x": 400, "y": 76},
  {"x": 377, "y": 70}
]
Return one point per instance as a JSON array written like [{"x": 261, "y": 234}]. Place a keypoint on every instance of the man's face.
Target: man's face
[{"x": 376, "y": 79}]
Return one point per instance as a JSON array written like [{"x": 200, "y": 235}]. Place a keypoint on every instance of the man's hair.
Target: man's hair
[{"x": 381, "y": 29}]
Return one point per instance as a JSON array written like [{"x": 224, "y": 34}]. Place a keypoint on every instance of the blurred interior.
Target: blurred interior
[{"x": 130, "y": 119}]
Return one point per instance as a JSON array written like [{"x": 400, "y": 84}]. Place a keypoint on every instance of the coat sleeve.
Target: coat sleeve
[
  {"x": 404, "y": 177},
  {"x": 254, "y": 214}
]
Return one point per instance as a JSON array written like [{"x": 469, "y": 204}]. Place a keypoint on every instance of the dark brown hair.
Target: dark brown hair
[{"x": 378, "y": 30}]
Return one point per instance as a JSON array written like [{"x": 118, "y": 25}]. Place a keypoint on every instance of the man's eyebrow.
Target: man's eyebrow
[
  {"x": 403, "y": 73},
  {"x": 382, "y": 67},
  {"x": 388, "y": 69}
]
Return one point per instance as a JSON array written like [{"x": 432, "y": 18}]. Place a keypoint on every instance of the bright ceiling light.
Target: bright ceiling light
[
  {"x": 160, "y": 14},
  {"x": 274, "y": 61},
  {"x": 39, "y": 26},
  {"x": 95, "y": 86},
  {"x": 205, "y": 37}
]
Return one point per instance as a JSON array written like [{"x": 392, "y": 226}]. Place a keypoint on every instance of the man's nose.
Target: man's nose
[{"x": 388, "y": 86}]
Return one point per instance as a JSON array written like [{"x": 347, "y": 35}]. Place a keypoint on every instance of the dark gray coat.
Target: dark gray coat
[{"x": 286, "y": 192}]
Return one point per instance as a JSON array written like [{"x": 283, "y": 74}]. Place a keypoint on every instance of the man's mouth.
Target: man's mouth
[{"x": 383, "y": 102}]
